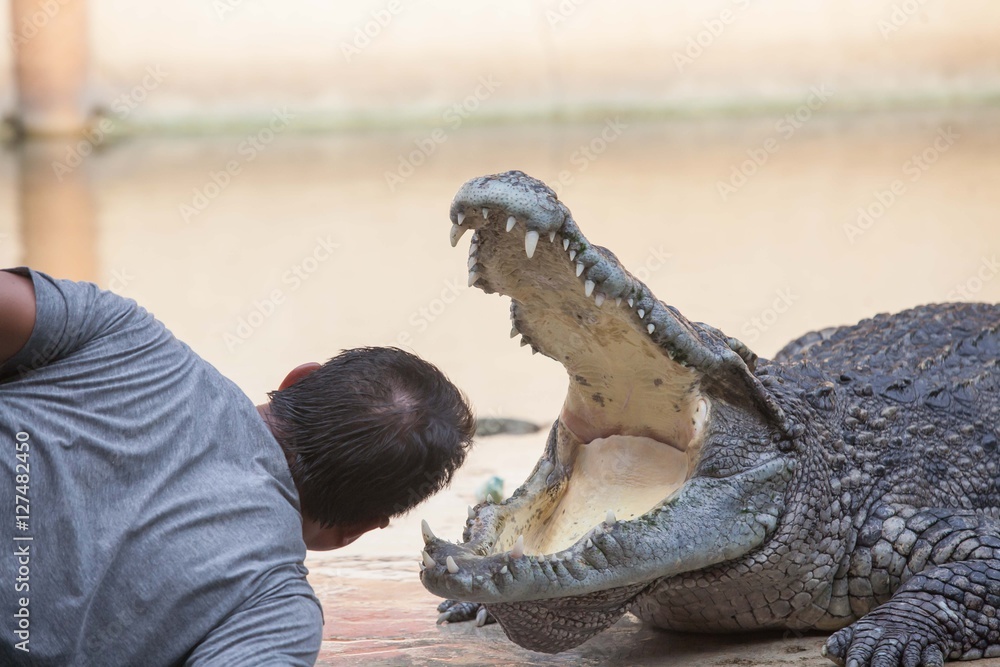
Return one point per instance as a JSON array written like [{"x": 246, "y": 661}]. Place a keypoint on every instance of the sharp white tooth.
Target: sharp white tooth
[
  {"x": 610, "y": 518},
  {"x": 599, "y": 299},
  {"x": 642, "y": 313},
  {"x": 651, "y": 328},
  {"x": 552, "y": 237},
  {"x": 598, "y": 529},
  {"x": 514, "y": 332},
  {"x": 451, "y": 565},
  {"x": 530, "y": 243},
  {"x": 461, "y": 217},
  {"x": 486, "y": 214},
  {"x": 588, "y": 287},
  {"x": 539, "y": 559},
  {"x": 518, "y": 549},
  {"x": 473, "y": 277},
  {"x": 524, "y": 342},
  {"x": 510, "y": 223},
  {"x": 472, "y": 512},
  {"x": 473, "y": 248},
  {"x": 618, "y": 301},
  {"x": 457, "y": 231},
  {"x": 534, "y": 350},
  {"x": 472, "y": 262},
  {"x": 579, "y": 269},
  {"x": 504, "y": 570},
  {"x": 425, "y": 528},
  {"x": 481, "y": 617},
  {"x": 631, "y": 302},
  {"x": 572, "y": 255},
  {"x": 444, "y": 618},
  {"x": 565, "y": 244},
  {"x": 589, "y": 543},
  {"x": 428, "y": 561}
]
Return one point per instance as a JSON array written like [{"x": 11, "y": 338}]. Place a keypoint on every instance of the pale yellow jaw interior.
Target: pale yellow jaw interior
[{"x": 625, "y": 474}]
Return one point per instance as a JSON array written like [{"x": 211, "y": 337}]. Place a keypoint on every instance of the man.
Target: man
[{"x": 154, "y": 516}]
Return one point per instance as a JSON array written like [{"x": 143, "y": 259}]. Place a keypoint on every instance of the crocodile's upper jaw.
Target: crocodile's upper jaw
[{"x": 577, "y": 540}]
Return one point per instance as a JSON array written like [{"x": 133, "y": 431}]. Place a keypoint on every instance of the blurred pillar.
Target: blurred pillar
[
  {"x": 49, "y": 40},
  {"x": 57, "y": 211}
]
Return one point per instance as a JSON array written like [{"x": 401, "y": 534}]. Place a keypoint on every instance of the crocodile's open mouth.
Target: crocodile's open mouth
[{"x": 576, "y": 542}]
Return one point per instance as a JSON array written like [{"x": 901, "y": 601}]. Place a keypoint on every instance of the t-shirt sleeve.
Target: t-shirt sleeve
[
  {"x": 283, "y": 630},
  {"x": 68, "y": 316}
]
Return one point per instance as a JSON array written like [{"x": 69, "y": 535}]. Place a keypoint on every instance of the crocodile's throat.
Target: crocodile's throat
[{"x": 571, "y": 547}]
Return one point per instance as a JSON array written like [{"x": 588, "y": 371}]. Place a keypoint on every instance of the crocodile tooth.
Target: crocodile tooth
[
  {"x": 588, "y": 287},
  {"x": 510, "y": 223},
  {"x": 425, "y": 528},
  {"x": 598, "y": 529},
  {"x": 472, "y": 512},
  {"x": 473, "y": 248},
  {"x": 451, "y": 565},
  {"x": 428, "y": 561},
  {"x": 572, "y": 256},
  {"x": 457, "y": 231},
  {"x": 530, "y": 243},
  {"x": 552, "y": 237},
  {"x": 504, "y": 570},
  {"x": 589, "y": 543},
  {"x": 599, "y": 299},
  {"x": 481, "y": 617},
  {"x": 473, "y": 277},
  {"x": 514, "y": 332},
  {"x": 651, "y": 328},
  {"x": 518, "y": 549},
  {"x": 642, "y": 313},
  {"x": 565, "y": 244},
  {"x": 524, "y": 342},
  {"x": 534, "y": 350},
  {"x": 472, "y": 262},
  {"x": 461, "y": 217},
  {"x": 486, "y": 214},
  {"x": 618, "y": 301},
  {"x": 579, "y": 269},
  {"x": 540, "y": 559},
  {"x": 631, "y": 302},
  {"x": 610, "y": 518},
  {"x": 444, "y": 618}
]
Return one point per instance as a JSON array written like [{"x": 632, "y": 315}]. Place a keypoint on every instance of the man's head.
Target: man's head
[{"x": 368, "y": 435}]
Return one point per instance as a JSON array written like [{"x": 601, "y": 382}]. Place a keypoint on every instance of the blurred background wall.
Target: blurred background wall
[{"x": 372, "y": 62}]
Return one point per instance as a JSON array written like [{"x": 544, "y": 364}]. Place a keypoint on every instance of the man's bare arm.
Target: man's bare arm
[{"x": 17, "y": 313}]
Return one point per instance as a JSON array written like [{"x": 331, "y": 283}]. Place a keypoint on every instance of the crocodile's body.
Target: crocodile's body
[{"x": 850, "y": 483}]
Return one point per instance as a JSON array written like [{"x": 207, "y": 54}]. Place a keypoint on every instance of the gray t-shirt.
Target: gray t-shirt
[{"x": 147, "y": 515}]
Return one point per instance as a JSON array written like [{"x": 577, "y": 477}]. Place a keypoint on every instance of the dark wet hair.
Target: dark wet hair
[{"x": 371, "y": 434}]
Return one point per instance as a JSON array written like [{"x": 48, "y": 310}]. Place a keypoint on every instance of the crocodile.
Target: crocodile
[{"x": 848, "y": 485}]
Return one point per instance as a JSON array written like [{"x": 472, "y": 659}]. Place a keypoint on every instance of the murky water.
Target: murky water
[{"x": 263, "y": 259}]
